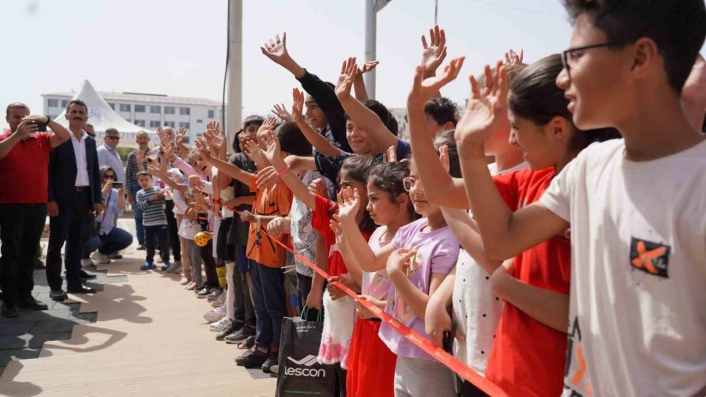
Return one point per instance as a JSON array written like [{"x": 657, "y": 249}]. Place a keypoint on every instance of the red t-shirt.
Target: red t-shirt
[
  {"x": 321, "y": 222},
  {"x": 528, "y": 357},
  {"x": 24, "y": 175}
]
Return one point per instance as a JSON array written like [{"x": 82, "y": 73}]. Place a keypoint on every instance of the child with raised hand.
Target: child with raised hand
[
  {"x": 417, "y": 261},
  {"x": 371, "y": 366},
  {"x": 340, "y": 314}
]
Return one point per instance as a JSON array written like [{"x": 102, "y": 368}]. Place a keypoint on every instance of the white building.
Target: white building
[{"x": 149, "y": 110}]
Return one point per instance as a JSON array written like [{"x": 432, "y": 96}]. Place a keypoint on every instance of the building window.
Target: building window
[
  {"x": 64, "y": 103},
  {"x": 140, "y": 123},
  {"x": 156, "y": 109},
  {"x": 154, "y": 123},
  {"x": 184, "y": 111},
  {"x": 139, "y": 108},
  {"x": 169, "y": 124},
  {"x": 124, "y": 107},
  {"x": 184, "y": 125},
  {"x": 169, "y": 110},
  {"x": 211, "y": 114},
  {"x": 199, "y": 121},
  {"x": 112, "y": 106},
  {"x": 53, "y": 103}
]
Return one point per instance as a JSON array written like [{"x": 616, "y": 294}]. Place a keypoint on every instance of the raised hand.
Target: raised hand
[
  {"x": 203, "y": 150},
  {"x": 282, "y": 113},
  {"x": 350, "y": 204},
  {"x": 297, "y": 104},
  {"x": 349, "y": 70},
  {"x": 485, "y": 107},
  {"x": 266, "y": 128},
  {"x": 253, "y": 151},
  {"x": 693, "y": 96},
  {"x": 424, "y": 89},
  {"x": 390, "y": 155},
  {"x": 513, "y": 58},
  {"x": 276, "y": 49},
  {"x": 434, "y": 53},
  {"x": 367, "y": 66},
  {"x": 180, "y": 135},
  {"x": 273, "y": 151},
  {"x": 266, "y": 177},
  {"x": 444, "y": 157},
  {"x": 196, "y": 182},
  {"x": 213, "y": 126},
  {"x": 27, "y": 126},
  {"x": 318, "y": 187}
]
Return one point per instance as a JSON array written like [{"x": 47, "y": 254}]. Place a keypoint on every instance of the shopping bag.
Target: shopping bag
[{"x": 300, "y": 373}]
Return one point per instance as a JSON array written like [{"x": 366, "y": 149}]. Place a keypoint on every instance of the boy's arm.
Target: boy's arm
[
  {"x": 322, "y": 93},
  {"x": 142, "y": 201},
  {"x": 505, "y": 234},
  {"x": 231, "y": 170},
  {"x": 301, "y": 163},
  {"x": 366, "y": 119},
  {"x": 548, "y": 307}
]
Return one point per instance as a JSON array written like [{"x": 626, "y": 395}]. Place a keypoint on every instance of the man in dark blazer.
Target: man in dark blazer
[{"x": 74, "y": 193}]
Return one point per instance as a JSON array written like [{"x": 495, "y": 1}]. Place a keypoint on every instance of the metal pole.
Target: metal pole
[
  {"x": 235, "y": 71},
  {"x": 370, "y": 40},
  {"x": 436, "y": 12}
]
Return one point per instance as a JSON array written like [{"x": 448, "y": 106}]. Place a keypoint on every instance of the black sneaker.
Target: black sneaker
[
  {"x": 141, "y": 248},
  {"x": 254, "y": 358},
  {"x": 230, "y": 329},
  {"x": 241, "y": 335},
  {"x": 270, "y": 362},
  {"x": 201, "y": 288},
  {"x": 29, "y": 303},
  {"x": 204, "y": 293},
  {"x": 10, "y": 311}
]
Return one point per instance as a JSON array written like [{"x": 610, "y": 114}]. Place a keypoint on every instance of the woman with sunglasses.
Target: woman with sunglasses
[{"x": 109, "y": 239}]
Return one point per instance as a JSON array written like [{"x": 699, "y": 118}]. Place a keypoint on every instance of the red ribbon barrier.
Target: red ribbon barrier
[{"x": 443, "y": 357}]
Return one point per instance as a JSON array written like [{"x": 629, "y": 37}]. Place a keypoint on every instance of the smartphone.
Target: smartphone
[
  {"x": 117, "y": 185},
  {"x": 41, "y": 127},
  {"x": 448, "y": 340}
]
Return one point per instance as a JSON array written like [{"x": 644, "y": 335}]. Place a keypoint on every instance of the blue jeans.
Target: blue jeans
[
  {"x": 118, "y": 239},
  {"x": 139, "y": 228},
  {"x": 268, "y": 298}
]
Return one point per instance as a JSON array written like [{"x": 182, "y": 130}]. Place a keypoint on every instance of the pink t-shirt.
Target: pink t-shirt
[{"x": 437, "y": 253}]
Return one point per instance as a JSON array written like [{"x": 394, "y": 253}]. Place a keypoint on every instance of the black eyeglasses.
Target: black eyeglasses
[{"x": 567, "y": 60}]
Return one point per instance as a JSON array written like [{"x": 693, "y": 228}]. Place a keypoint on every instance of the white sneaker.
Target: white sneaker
[
  {"x": 215, "y": 315},
  {"x": 86, "y": 263},
  {"x": 100, "y": 258},
  {"x": 217, "y": 303},
  {"x": 220, "y": 325},
  {"x": 185, "y": 281}
]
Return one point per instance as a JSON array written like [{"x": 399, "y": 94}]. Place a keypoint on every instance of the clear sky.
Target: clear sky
[{"x": 177, "y": 47}]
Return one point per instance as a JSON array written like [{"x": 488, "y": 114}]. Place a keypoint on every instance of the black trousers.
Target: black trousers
[
  {"x": 209, "y": 265},
  {"x": 21, "y": 227},
  {"x": 244, "y": 310},
  {"x": 68, "y": 228},
  {"x": 156, "y": 235},
  {"x": 172, "y": 230}
]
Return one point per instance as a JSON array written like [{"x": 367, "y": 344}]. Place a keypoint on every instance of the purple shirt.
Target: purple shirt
[{"x": 437, "y": 252}]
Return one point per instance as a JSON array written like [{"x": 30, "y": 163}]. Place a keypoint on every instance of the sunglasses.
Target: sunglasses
[
  {"x": 115, "y": 138},
  {"x": 109, "y": 177},
  {"x": 409, "y": 183}
]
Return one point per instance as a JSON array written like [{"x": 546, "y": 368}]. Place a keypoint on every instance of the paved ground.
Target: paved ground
[{"x": 143, "y": 335}]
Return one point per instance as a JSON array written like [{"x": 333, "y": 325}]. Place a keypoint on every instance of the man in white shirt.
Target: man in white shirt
[
  {"x": 108, "y": 153},
  {"x": 74, "y": 192}
]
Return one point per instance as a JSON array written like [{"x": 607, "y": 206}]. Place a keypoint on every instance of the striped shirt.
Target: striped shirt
[{"x": 152, "y": 211}]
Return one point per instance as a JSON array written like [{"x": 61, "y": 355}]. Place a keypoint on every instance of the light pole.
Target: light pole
[
  {"x": 235, "y": 70},
  {"x": 372, "y": 7}
]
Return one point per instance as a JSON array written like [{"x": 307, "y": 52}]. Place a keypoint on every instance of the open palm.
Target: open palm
[
  {"x": 434, "y": 53},
  {"x": 485, "y": 107},
  {"x": 349, "y": 69},
  {"x": 276, "y": 49},
  {"x": 350, "y": 204}
]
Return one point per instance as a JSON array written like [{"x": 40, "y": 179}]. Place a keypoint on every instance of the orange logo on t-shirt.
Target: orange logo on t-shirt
[{"x": 652, "y": 258}]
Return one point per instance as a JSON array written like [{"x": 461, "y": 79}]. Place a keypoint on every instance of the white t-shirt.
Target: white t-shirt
[
  {"x": 476, "y": 309},
  {"x": 637, "y": 318}
]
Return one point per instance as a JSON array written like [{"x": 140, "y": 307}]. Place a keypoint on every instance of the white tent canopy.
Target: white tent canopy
[{"x": 102, "y": 117}]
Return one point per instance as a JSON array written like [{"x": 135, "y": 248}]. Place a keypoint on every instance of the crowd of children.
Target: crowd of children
[{"x": 571, "y": 264}]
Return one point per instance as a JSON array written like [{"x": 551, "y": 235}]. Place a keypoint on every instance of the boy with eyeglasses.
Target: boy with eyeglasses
[{"x": 637, "y": 315}]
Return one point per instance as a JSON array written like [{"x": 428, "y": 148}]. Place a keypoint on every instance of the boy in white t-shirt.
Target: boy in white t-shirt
[{"x": 636, "y": 206}]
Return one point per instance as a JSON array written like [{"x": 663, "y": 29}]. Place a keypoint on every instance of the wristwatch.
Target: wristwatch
[{"x": 48, "y": 119}]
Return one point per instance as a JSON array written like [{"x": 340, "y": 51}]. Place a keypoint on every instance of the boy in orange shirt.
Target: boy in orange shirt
[{"x": 267, "y": 256}]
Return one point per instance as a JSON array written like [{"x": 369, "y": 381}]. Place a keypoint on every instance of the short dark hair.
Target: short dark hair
[
  {"x": 254, "y": 119},
  {"x": 143, "y": 172},
  {"x": 236, "y": 142},
  {"x": 76, "y": 102},
  {"x": 678, "y": 27},
  {"x": 110, "y": 131},
  {"x": 385, "y": 116},
  {"x": 446, "y": 137},
  {"x": 535, "y": 96},
  {"x": 442, "y": 110},
  {"x": 292, "y": 140},
  {"x": 16, "y": 105}
]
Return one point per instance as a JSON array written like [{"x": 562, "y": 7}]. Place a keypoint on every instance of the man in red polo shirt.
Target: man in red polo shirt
[{"x": 24, "y": 158}]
